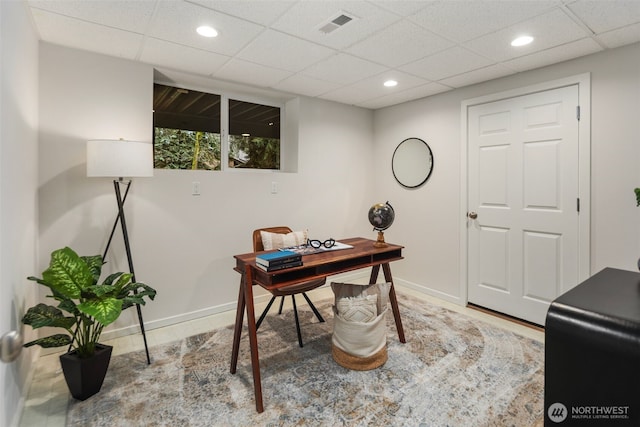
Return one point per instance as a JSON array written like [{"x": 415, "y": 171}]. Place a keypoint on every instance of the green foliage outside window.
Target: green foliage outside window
[
  {"x": 254, "y": 152},
  {"x": 186, "y": 149}
]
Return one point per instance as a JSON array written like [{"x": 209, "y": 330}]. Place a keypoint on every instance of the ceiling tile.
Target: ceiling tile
[
  {"x": 176, "y": 21},
  {"x": 621, "y": 36},
  {"x": 276, "y": 44},
  {"x": 346, "y": 95},
  {"x": 603, "y": 16},
  {"x": 71, "y": 32},
  {"x": 405, "y": 81},
  {"x": 551, "y": 29},
  {"x": 343, "y": 69},
  {"x": 179, "y": 57},
  {"x": 450, "y": 62},
  {"x": 122, "y": 14},
  {"x": 399, "y": 44},
  {"x": 467, "y": 19},
  {"x": 404, "y": 96},
  {"x": 305, "y": 85},
  {"x": 306, "y": 17},
  {"x": 259, "y": 12},
  {"x": 250, "y": 73},
  {"x": 476, "y": 76},
  {"x": 565, "y": 52},
  {"x": 373, "y": 87},
  {"x": 278, "y": 50},
  {"x": 403, "y": 7}
]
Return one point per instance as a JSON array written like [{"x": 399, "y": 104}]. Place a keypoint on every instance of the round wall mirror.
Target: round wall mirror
[{"x": 412, "y": 162}]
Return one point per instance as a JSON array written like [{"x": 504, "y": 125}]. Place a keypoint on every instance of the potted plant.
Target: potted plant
[{"x": 84, "y": 308}]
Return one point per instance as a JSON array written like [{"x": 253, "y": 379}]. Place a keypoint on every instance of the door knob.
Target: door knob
[
  {"x": 472, "y": 215},
  {"x": 10, "y": 346}
]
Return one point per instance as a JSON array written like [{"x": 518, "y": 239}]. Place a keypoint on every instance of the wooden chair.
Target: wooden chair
[{"x": 298, "y": 288}]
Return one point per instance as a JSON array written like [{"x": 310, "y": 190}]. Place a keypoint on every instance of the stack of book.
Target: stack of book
[{"x": 279, "y": 260}]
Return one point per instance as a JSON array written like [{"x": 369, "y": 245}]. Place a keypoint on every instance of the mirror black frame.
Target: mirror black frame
[{"x": 401, "y": 156}]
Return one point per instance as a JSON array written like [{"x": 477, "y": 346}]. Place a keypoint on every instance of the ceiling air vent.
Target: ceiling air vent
[{"x": 336, "y": 22}]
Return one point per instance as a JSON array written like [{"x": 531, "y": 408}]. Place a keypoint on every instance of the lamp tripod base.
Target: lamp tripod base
[
  {"x": 380, "y": 243},
  {"x": 120, "y": 218}
]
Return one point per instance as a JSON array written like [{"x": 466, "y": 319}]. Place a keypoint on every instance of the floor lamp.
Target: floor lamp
[{"x": 119, "y": 159}]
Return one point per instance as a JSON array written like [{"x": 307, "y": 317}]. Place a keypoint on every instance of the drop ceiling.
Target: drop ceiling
[{"x": 428, "y": 47}]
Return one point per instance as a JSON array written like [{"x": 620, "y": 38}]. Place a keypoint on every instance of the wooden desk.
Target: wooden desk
[{"x": 316, "y": 266}]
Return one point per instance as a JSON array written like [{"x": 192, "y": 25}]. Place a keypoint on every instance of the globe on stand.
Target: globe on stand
[{"x": 381, "y": 216}]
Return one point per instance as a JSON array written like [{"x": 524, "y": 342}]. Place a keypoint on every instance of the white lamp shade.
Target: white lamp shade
[{"x": 119, "y": 158}]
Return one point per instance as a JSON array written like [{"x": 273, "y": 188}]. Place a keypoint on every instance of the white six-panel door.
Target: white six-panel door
[{"x": 523, "y": 201}]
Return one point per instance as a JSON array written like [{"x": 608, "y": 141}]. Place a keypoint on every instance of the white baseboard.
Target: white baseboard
[
  {"x": 353, "y": 277},
  {"x": 357, "y": 276},
  {"x": 429, "y": 291}
]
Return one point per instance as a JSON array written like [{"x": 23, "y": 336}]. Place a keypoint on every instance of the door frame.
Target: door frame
[{"x": 584, "y": 169}]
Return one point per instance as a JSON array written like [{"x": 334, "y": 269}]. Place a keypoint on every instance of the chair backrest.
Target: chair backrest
[{"x": 257, "y": 237}]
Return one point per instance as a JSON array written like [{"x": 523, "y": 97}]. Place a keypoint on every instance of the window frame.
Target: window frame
[{"x": 225, "y": 96}]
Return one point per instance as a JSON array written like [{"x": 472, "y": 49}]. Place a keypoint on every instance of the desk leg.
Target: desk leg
[
  {"x": 253, "y": 338},
  {"x": 394, "y": 302},
  {"x": 237, "y": 332},
  {"x": 374, "y": 274}
]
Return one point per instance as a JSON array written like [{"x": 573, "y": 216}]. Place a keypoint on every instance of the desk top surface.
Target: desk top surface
[
  {"x": 363, "y": 254},
  {"x": 361, "y": 246}
]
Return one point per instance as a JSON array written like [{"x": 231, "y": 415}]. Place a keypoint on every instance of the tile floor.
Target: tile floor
[{"x": 46, "y": 404}]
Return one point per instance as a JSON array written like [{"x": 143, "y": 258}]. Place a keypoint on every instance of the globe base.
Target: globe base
[{"x": 380, "y": 243}]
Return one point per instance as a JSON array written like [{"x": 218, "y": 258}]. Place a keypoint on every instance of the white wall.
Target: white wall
[
  {"x": 18, "y": 192},
  {"x": 85, "y": 96},
  {"x": 427, "y": 219},
  {"x": 183, "y": 245}
]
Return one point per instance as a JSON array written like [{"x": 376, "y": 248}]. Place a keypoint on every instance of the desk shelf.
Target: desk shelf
[{"x": 315, "y": 266}]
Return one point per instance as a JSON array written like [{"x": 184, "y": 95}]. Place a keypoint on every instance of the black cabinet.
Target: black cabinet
[{"x": 592, "y": 353}]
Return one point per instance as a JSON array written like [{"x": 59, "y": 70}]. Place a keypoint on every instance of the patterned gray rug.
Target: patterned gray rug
[{"x": 453, "y": 371}]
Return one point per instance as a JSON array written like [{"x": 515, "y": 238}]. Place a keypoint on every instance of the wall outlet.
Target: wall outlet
[
  {"x": 195, "y": 188},
  {"x": 274, "y": 187}
]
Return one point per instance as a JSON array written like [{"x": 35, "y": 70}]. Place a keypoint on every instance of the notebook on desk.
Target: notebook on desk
[{"x": 273, "y": 259}]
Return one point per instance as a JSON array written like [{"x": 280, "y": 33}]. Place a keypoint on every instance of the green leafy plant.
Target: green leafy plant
[
  {"x": 637, "y": 191},
  {"x": 261, "y": 153},
  {"x": 186, "y": 149},
  {"x": 73, "y": 281}
]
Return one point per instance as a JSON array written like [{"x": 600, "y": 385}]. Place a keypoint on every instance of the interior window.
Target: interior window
[
  {"x": 254, "y": 135},
  {"x": 186, "y": 129}
]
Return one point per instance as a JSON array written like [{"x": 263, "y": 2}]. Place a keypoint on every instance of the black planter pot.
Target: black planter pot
[{"x": 85, "y": 376}]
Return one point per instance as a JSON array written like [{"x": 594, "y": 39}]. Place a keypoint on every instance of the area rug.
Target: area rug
[{"x": 453, "y": 371}]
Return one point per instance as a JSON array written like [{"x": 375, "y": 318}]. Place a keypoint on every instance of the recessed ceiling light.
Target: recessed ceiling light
[
  {"x": 521, "y": 41},
  {"x": 391, "y": 83},
  {"x": 207, "y": 31},
  {"x": 246, "y": 135}
]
